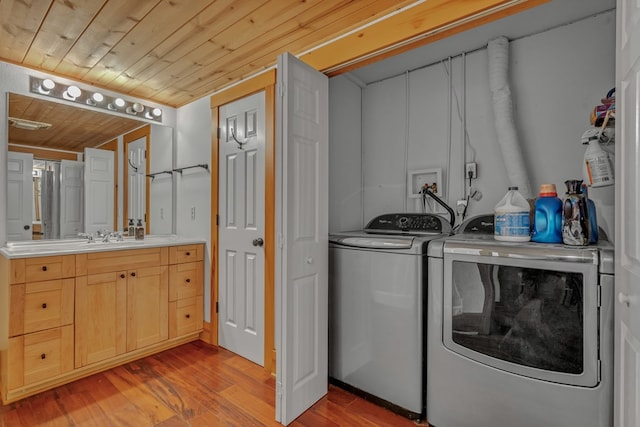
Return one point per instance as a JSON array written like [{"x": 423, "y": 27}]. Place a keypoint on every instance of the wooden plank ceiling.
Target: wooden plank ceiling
[{"x": 171, "y": 51}]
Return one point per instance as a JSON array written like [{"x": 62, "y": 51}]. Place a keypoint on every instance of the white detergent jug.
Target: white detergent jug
[{"x": 512, "y": 220}]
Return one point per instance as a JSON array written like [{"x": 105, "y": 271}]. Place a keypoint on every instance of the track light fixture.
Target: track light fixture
[
  {"x": 93, "y": 98},
  {"x": 71, "y": 93},
  {"x": 135, "y": 108},
  {"x": 46, "y": 86}
]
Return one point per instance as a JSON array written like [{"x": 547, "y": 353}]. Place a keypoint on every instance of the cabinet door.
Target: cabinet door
[
  {"x": 147, "y": 306},
  {"x": 100, "y": 317}
]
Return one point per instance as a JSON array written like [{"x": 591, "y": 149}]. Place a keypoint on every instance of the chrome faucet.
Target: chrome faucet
[
  {"x": 88, "y": 236},
  {"x": 113, "y": 234}
]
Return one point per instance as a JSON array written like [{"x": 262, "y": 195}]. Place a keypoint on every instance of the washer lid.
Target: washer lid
[{"x": 377, "y": 242}]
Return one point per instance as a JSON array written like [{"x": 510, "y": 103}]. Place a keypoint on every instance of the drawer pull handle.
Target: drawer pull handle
[
  {"x": 122, "y": 276},
  {"x": 188, "y": 253},
  {"x": 188, "y": 280},
  {"x": 44, "y": 268},
  {"x": 133, "y": 274},
  {"x": 43, "y": 356},
  {"x": 187, "y": 316},
  {"x": 44, "y": 305}
]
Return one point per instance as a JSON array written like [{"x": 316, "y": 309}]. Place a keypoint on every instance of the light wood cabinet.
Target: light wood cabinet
[
  {"x": 120, "y": 310},
  {"x": 100, "y": 317},
  {"x": 74, "y": 315},
  {"x": 37, "y": 341},
  {"x": 147, "y": 306},
  {"x": 186, "y": 288}
]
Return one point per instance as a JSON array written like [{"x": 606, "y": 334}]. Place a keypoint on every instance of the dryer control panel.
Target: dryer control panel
[{"x": 408, "y": 223}]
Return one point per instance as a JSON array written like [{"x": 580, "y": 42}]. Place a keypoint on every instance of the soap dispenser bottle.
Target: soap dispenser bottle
[
  {"x": 139, "y": 230},
  {"x": 131, "y": 232}
]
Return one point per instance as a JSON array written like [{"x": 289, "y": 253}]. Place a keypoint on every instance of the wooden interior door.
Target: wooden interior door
[{"x": 241, "y": 229}]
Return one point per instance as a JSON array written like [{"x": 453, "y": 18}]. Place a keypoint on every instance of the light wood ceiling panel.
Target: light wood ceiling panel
[
  {"x": 175, "y": 51},
  {"x": 72, "y": 128},
  {"x": 167, "y": 50}
]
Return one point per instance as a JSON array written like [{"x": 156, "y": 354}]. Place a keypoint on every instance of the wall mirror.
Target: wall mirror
[{"x": 72, "y": 170}]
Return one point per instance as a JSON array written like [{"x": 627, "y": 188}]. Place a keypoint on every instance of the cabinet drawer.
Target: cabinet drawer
[
  {"x": 185, "y": 280},
  {"x": 186, "y": 253},
  {"x": 113, "y": 261},
  {"x": 40, "y": 356},
  {"x": 185, "y": 316},
  {"x": 38, "y": 269},
  {"x": 41, "y": 305}
]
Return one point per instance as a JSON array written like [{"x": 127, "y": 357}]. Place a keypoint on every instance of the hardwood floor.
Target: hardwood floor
[{"x": 192, "y": 385}]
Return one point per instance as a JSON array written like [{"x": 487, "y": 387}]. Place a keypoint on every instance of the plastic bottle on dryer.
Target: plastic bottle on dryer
[
  {"x": 512, "y": 221},
  {"x": 593, "y": 217},
  {"x": 547, "y": 216},
  {"x": 598, "y": 168}
]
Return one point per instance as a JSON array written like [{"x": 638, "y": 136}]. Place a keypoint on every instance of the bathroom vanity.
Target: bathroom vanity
[{"x": 69, "y": 309}]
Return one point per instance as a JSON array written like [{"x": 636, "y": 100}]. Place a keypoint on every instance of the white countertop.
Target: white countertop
[{"x": 35, "y": 248}]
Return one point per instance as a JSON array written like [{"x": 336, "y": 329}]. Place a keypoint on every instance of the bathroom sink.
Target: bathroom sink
[{"x": 32, "y": 248}]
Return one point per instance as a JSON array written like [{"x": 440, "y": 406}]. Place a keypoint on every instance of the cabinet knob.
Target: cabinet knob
[
  {"x": 122, "y": 276},
  {"x": 43, "y": 356},
  {"x": 44, "y": 268},
  {"x": 188, "y": 280},
  {"x": 133, "y": 274},
  {"x": 44, "y": 305},
  {"x": 187, "y": 316},
  {"x": 188, "y": 253}
]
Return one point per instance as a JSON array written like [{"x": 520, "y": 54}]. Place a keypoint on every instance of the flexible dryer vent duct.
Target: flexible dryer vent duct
[{"x": 498, "y": 50}]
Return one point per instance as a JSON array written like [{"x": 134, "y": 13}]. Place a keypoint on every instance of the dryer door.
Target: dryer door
[{"x": 534, "y": 317}]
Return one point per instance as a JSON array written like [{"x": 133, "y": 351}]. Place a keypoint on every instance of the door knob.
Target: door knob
[
  {"x": 625, "y": 299},
  {"x": 258, "y": 242}
]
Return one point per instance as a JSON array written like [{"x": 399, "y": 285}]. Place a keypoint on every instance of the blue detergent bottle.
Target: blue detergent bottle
[{"x": 547, "y": 216}]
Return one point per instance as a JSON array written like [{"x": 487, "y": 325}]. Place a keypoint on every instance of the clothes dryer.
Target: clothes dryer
[{"x": 519, "y": 334}]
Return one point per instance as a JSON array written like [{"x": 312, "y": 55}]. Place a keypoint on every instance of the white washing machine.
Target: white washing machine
[
  {"x": 519, "y": 334},
  {"x": 377, "y": 291}
]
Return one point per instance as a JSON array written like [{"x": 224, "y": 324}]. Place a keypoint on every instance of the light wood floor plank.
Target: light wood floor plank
[{"x": 194, "y": 385}]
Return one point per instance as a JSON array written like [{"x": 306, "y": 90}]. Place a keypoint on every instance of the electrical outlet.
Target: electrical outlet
[
  {"x": 193, "y": 213},
  {"x": 471, "y": 168}
]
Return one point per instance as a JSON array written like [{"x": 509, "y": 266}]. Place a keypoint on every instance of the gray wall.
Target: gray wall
[{"x": 556, "y": 78}]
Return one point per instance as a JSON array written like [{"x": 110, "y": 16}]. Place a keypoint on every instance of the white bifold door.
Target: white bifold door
[
  {"x": 627, "y": 309},
  {"x": 302, "y": 260},
  {"x": 99, "y": 186},
  {"x": 71, "y": 198},
  {"x": 19, "y": 196}
]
